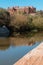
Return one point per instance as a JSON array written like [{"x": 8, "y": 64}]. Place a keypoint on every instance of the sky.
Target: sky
[{"x": 10, "y": 3}]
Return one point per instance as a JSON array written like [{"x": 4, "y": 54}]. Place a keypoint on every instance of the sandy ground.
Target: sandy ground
[{"x": 34, "y": 57}]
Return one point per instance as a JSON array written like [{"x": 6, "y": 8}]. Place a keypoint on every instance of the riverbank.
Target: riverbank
[
  {"x": 20, "y": 24},
  {"x": 23, "y": 24}
]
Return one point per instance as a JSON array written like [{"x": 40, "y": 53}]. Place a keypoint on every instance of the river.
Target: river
[{"x": 13, "y": 48}]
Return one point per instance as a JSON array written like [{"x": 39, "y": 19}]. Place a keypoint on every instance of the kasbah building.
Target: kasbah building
[{"x": 22, "y": 10}]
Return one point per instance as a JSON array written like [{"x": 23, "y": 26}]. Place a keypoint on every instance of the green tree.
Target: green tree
[{"x": 4, "y": 17}]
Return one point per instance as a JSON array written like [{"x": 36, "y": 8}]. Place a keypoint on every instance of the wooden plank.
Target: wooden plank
[{"x": 34, "y": 57}]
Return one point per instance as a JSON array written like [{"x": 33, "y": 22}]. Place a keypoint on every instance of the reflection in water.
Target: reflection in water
[
  {"x": 4, "y": 47},
  {"x": 4, "y": 43},
  {"x": 16, "y": 41},
  {"x": 12, "y": 54}
]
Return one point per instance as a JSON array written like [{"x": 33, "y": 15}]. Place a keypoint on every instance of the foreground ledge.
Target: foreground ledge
[{"x": 34, "y": 57}]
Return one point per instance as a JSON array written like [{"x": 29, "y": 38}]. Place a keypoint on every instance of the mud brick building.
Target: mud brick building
[{"x": 22, "y": 10}]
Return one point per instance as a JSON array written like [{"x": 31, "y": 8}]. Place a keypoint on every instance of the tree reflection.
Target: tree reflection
[
  {"x": 4, "y": 43},
  {"x": 4, "y": 47}
]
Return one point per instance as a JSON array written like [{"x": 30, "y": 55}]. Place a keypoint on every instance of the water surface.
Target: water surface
[{"x": 9, "y": 54}]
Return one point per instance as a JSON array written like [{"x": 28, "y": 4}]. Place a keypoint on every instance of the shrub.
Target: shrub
[{"x": 4, "y": 17}]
